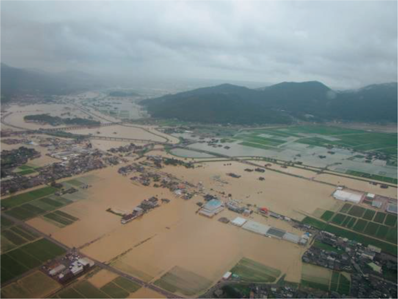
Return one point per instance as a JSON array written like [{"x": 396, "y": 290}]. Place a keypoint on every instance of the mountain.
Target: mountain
[
  {"x": 16, "y": 81},
  {"x": 280, "y": 103}
]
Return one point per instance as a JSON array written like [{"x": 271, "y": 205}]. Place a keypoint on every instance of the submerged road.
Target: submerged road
[{"x": 97, "y": 263}]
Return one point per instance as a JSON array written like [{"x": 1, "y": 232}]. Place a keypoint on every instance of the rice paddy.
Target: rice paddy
[
  {"x": 15, "y": 236},
  {"x": 34, "y": 285},
  {"x": 27, "y": 257},
  {"x": 251, "y": 271},
  {"x": 183, "y": 281}
]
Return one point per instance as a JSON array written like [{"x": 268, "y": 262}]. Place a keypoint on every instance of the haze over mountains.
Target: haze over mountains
[
  {"x": 15, "y": 81},
  {"x": 285, "y": 102}
]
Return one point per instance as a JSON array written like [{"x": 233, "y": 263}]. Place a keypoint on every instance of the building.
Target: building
[
  {"x": 392, "y": 208},
  {"x": 211, "y": 208},
  {"x": 256, "y": 227},
  {"x": 238, "y": 221},
  {"x": 345, "y": 195},
  {"x": 56, "y": 270},
  {"x": 227, "y": 275},
  {"x": 291, "y": 238},
  {"x": 377, "y": 204}
]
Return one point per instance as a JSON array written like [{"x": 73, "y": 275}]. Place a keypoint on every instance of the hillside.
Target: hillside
[{"x": 281, "y": 103}]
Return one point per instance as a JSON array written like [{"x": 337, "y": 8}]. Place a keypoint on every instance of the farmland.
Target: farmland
[
  {"x": 34, "y": 285},
  {"x": 15, "y": 236},
  {"x": 251, "y": 271},
  {"x": 26, "y": 257},
  {"x": 180, "y": 280},
  {"x": 27, "y": 197}
]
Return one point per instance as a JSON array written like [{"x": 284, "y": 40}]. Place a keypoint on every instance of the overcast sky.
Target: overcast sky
[{"x": 341, "y": 43}]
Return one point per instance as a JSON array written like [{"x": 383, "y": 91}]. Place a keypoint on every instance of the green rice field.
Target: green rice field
[
  {"x": 60, "y": 218},
  {"x": 27, "y": 257},
  {"x": 251, "y": 271},
  {"x": 327, "y": 215},
  {"x": 384, "y": 233},
  {"x": 180, "y": 280},
  {"x": 15, "y": 236},
  {"x": 27, "y": 197}
]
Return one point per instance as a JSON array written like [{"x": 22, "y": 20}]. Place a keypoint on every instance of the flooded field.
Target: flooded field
[
  {"x": 121, "y": 132},
  {"x": 16, "y": 118}
]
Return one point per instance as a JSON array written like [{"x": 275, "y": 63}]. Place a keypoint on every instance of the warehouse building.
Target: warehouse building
[
  {"x": 211, "y": 208},
  {"x": 346, "y": 195},
  {"x": 256, "y": 227}
]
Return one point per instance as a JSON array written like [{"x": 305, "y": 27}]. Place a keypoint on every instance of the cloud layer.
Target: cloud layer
[{"x": 341, "y": 43}]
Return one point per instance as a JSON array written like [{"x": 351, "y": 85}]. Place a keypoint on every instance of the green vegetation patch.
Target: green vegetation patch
[
  {"x": 327, "y": 215},
  {"x": 61, "y": 218},
  {"x": 382, "y": 232},
  {"x": 338, "y": 219},
  {"x": 371, "y": 229},
  {"x": 70, "y": 293},
  {"x": 345, "y": 208},
  {"x": 251, "y": 271},
  {"x": 357, "y": 211},
  {"x": 13, "y": 237},
  {"x": 347, "y": 221},
  {"x": 352, "y": 222},
  {"x": 380, "y": 217},
  {"x": 183, "y": 281},
  {"x": 5, "y": 222},
  {"x": 369, "y": 214},
  {"x": 391, "y": 220},
  {"x": 114, "y": 291},
  {"x": 335, "y": 281},
  {"x": 372, "y": 176},
  {"x": 88, "y": 290},
  {"x": 344, "y": 285},
  {"x": 360, "y": 225},
  {"x": 127, "y": 284},
  {"x": 26, "y": 197},
  {"x": 326, "y": 247},
  {"x": 314, "y": 222},
  {"x": 389, "y": 248}
]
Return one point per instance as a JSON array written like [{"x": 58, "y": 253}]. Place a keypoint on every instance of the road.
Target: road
[{"x": 97, "y": 263}]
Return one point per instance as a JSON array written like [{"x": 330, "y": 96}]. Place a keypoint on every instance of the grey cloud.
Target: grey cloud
[{"x": 340, "y": 43}]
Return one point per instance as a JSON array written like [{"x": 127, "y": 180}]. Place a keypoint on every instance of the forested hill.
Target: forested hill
[{"x": 285, "y": 102}]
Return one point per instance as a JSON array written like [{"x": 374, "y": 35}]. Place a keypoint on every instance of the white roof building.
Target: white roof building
[
  {"x": 256, "y": 227},
  {"x": 227, "y": 275},
  {"x": 347, "y": 196},
  {"x": 238, "y": 221}
]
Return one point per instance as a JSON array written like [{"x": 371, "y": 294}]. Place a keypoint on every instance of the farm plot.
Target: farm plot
[
  {"x": 369, "y": 214},
  {"x": 345, "y": 208},
  {"x": 380, "y": 217},
  {"x": 391, "y": 220},
  {"x": 338, "y": 219},
  {"x": 27, "y": 197},
  {"x": 14, "y": 237},
  {"x": 120, "y": 288},
  {"x": 357, "y": 211},
  {"x": 315, "y": 277},
  {"x": 182, "y": 281},
  {"x": 360, "y": 225},
  {"x": 26, "y": 257},
  {"x": 327, "y": 215},
  {"x": 251, "y": 271},
  {"x": 60, "y": 218},
  {"x": 37, "y": 207},
  {"x": 35, "y": 285}
]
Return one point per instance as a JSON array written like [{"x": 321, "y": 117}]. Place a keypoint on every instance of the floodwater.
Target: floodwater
[
  {"x": 291, "y": 151},
  {"x": 19, "y": 112},
  {"x": 119, "y": 131},
  {"x": 185, "y": 153},
  {"x": 102, "y": 277}
]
